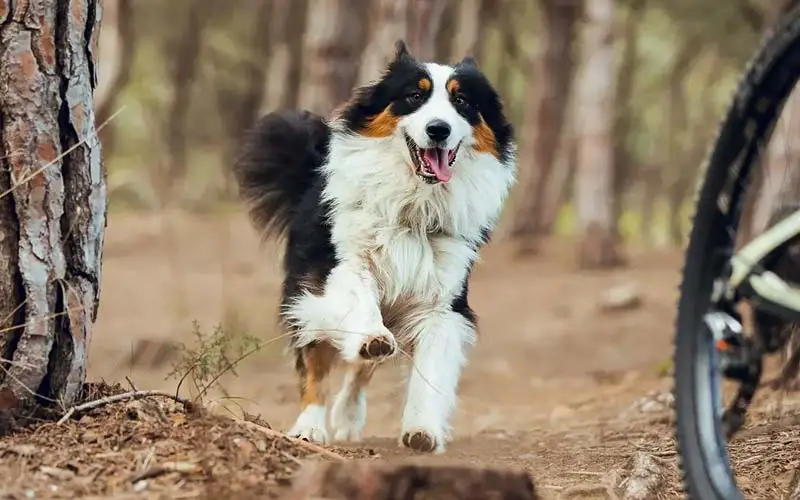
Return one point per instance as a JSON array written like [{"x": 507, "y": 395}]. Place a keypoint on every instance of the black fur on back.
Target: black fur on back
[{"x": 277, "y": 164}]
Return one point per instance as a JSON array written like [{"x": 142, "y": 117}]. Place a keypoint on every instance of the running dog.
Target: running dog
[{"x": 383, "y": 209}]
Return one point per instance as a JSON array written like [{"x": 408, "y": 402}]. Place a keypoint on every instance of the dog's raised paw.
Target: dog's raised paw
[
  {"x": 377, "y": 347},
  {"x": 419, "y": 440}
]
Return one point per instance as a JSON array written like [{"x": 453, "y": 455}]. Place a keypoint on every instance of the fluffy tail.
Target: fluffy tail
[{"x": 278, "y": 162}]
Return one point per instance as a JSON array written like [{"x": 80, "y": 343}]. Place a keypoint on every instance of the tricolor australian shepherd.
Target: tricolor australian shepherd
[{"x": 384, "y": 208}]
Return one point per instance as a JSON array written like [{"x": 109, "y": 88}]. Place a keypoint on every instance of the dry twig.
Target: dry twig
[
  {"x": 305, "y": 444},
  {"x": 121, "y": 397}
]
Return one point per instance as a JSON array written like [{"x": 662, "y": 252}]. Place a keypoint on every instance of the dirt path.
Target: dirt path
[
  {"x": 555, "y": 384},
  {"x": 547, "y": 357}
]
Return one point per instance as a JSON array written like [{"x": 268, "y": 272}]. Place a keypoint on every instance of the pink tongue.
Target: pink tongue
[{"x": 438, "y": 159}]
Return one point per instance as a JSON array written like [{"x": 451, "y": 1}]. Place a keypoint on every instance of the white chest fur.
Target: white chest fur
[{"x": 418, "y": 239}]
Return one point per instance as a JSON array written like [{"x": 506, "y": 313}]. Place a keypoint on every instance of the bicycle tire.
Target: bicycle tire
[{"x": 747, "y": 125}]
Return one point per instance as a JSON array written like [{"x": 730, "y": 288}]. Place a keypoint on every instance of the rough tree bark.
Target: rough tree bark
[
  {"x": 389, "y": 24},
  {"x": 550, "y": 84},
  {"x": 425, "y": 20},
  {"x": 598, "y": 244},
  {"x": 120, "y": 42},
  {"x": 333, "y": 43},
  {"x": 53, "y": 204}
]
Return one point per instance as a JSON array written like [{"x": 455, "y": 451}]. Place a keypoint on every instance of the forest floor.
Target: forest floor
[{"x": 558, "y": 385}]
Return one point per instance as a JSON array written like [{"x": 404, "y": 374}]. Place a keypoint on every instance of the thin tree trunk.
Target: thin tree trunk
[
  {"x": 389, "y": 25},
  {"x": 510, "y": 51},
  {"x": 781, "y": 167},
  {"x": 241, "y": 105},
  {"x": 550, "y": 84},
  {"x": 598, "y": 245},
  {"x": 652, "y": 184},
  {"x": 562, "y": 181},
  {"x": 470, "y": 28},
  {"x": 54, "y": 219},
  {"x": 185, "y": 58},
  {"x": 333, "y": 46},
  {"x": 623, "y": 159},
  {"x": 680, "y": 174},
  {"x": 295, "y": 23},
  {"x": 123, "y": 52},
  {"x": 425, "y": 18}
]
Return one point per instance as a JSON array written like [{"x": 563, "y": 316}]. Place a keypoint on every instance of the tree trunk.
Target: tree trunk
[
  {"x": 510, "y": 50},
  {"x": 470, "y": 28},
  {"x": 390, "y": 20},
  {"x": 598, "y": 245},
  {"x": 680, "y": 175},
  {"x": 53, "y": 204},
  {"x": 239, "y": 104},
  {"x": 121, "y": 43},
  {"x": 652, "y": 185},
  {"x": 184, "y": 58},
  {"x": 292, "y": 46},
  {"x": 333, "y": 44},
  {"x": 425, "y": 18},
  {"x": 550, "y": 84},
  {"x": 781, "y": 167},
  {"x": 623, "y": 159}
]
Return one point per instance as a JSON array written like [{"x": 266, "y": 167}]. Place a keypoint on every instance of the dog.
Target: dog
[{"x": 382, "y": 209}]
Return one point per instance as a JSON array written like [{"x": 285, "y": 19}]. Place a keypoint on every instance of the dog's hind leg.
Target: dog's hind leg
[
  {"x": 313, "y": 364},
  {"x": 349, "y": 411}
]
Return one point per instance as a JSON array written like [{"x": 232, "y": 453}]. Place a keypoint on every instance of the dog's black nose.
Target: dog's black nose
[{"x": 438, "y": 130}]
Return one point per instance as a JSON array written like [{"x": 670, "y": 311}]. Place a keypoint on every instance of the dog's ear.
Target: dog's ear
[
  {"x": 468, "y": 61},
  {"x": 400, "y": 50}
]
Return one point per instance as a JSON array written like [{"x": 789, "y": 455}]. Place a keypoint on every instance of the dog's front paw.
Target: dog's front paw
[
  {"x": 373, "y": 347},
  {"x": 423, "y": 441},
  {"x": 310, "y": 425},
  {"x": 378, "y": 347}
]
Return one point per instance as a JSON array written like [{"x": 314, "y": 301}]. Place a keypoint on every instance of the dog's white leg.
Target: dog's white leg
[
  {"x": 438, "y": 358},
  {"x": 349, "y": 412},
  {"x": 348, "y": 315}
]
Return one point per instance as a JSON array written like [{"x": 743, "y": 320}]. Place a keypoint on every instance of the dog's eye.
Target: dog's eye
[
  {"x": 414, "y": 97},
  {"x": 460, "y": 101}
]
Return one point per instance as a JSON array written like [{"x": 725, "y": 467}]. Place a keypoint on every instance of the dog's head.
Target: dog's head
[{"x": 441, "y": 113}]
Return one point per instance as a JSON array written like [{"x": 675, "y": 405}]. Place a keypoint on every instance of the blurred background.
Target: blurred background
[{"x": 615, "y": 103}]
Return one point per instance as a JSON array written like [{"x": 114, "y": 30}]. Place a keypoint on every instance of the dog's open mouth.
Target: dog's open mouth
[{"x": 433, "y": 165}]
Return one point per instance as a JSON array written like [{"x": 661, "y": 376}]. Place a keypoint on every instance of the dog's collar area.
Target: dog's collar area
[{"x": 432, "y": 165}]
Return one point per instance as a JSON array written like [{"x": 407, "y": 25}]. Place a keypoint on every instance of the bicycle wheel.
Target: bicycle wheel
[{"x": 746, "y": 128}]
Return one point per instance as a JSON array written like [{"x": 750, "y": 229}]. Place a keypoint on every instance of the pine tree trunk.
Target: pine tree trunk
[
  {"x": 628, "y": 70},
  {"x": 598, "y": 244},
  {"x": 54, "y": 216},
  {"x": 550, "y": 84},
  {"x": 781, "y": 167},
  {"x": 294, "y": 24},
  {"x": 333, "y": 45},
  {"x": 121, "y": 42},
  {"x": 425, "y": 20},
  {"x": 390, "y": 22}
]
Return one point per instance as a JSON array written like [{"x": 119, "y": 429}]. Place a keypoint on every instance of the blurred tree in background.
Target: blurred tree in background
[{"x": 615, "y": 102}]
